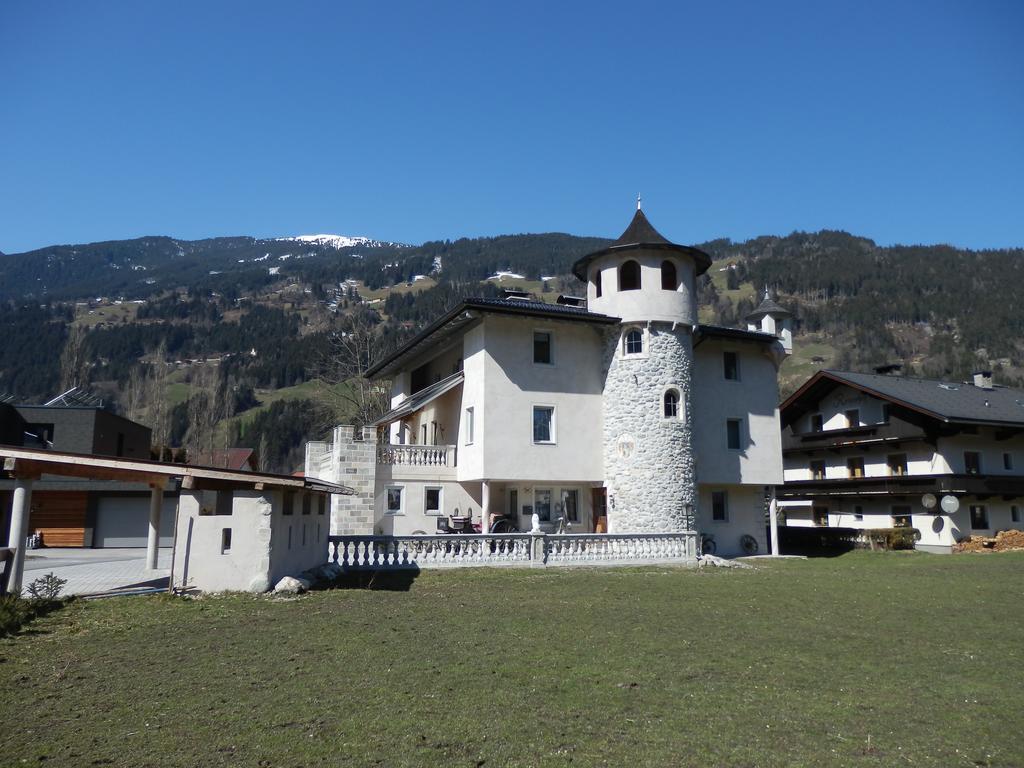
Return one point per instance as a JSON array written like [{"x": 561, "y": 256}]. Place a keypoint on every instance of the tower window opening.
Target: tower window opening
[
  {"x": 629, "y": 276},
  {"x": 597, "y": 283},
  {"x": 669, "y": 282},
  {"x": 634, "y": 342},
  {"x": 671, "y": 404}
]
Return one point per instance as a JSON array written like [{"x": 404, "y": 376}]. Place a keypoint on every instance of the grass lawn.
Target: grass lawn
[{"x": 861, "y": 660}]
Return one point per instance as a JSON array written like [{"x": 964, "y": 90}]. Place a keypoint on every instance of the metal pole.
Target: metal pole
[{"x": 19, "y": 523}]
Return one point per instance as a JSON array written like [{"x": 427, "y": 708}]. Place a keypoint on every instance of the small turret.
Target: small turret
[{"x": 771, "y": 318}]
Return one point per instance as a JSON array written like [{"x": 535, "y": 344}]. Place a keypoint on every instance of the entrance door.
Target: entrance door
[{"x": 599, "y": 503}]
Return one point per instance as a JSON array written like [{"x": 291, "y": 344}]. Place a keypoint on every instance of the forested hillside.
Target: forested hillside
[{"x": 239, "y": 340}]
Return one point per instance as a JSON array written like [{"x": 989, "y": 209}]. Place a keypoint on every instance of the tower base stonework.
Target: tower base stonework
[
  {"x": 648, "y": 458},
  {"x": 354, "y": 458}
]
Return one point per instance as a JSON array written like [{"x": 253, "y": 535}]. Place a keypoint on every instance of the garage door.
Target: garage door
[{"x": 123, "y": 521}]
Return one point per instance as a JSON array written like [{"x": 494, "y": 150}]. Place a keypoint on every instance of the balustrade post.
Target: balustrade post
[{"x": 538, "y": 547}]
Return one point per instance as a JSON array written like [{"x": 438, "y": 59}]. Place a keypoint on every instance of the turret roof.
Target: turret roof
[
  {"x": 768, "y": 306},
  {"x": 641, "y": 234}
]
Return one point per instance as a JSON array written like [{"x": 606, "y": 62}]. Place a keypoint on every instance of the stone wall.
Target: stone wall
[
  {"x": 648, "y": 460},
  {"x": 355, "y": 465}
]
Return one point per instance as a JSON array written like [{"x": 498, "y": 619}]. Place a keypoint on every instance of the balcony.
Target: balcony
[{"x": 418, "y": 460}]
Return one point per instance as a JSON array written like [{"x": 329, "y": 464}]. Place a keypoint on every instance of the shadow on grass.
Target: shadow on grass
[
  {"x": 398, "y": 580},
  {"x": 16, "y": 613}
]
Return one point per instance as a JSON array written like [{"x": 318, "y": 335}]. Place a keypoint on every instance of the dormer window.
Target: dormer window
[
  {"x": 597, "y": 283},
  {"x": 669, "y": 282},
  {"x": 629, "y": 276}
]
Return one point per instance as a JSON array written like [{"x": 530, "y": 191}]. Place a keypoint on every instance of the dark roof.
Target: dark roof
[
  {"x": 641, "y": 234},
  {"x": 943, "y": 400},
  {"x": 768, "y": 307},
  {"x": 469, "y": 310},
  {"x": 721, "y": 332},
  {"x": 419, "y": 399}
]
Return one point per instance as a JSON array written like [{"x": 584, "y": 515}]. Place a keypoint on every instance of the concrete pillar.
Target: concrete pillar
[
  {"x": 20, "y": 507},
  {"x": 485, "y": 502},
  {"x": 773, "y": 522},
  {"x": 156, "y": 503}
]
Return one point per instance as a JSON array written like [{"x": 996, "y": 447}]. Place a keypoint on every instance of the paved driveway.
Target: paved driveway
[{"x": 98, "y": 571}]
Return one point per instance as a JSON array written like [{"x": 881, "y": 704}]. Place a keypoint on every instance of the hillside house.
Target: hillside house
[
  {"x": 867, "y": 450},
  {"x": 616, "y": 414}
]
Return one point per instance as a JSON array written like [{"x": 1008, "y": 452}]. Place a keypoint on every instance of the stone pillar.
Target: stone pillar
[
  {"x": 773, "y": 522},
  {"x": 156, "y": 502},
  {"x": 20, "y": 507},
  {"x": 354, "y": 465}
]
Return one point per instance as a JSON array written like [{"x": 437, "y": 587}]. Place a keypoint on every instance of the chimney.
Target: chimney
[
  {"x": 982, "y": 379},
  {"x": 889, "y": 369}
]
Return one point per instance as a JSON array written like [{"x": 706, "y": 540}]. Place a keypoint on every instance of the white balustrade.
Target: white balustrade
[
  {"x": 416, "y": 455},
  {"x": 459, "y": 550}
]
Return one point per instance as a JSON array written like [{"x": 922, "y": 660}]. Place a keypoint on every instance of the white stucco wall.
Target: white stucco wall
[
  {"x": 753, "y": 399},
  {"x": 650, "y": 302},
  {"x": 746, "y": 515}
]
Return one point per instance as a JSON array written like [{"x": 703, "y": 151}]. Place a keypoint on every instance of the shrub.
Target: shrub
[
  {"x": 891, "y": 538},
  {"x": 46, "y": 587},
  {"x": 14, "y": 612}
]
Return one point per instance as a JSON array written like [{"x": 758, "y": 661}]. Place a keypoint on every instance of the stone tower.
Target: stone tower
[{"x": 649, "y": 283}]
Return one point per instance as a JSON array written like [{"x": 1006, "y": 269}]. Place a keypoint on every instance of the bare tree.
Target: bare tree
[
  {"x": 74, "y": 363},
  {"x": 158, "y": 413},
  {"x": 344, "y": 389},
  {"x": 135, "y": 393}
]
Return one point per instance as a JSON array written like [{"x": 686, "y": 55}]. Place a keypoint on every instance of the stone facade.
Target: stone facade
[
  {"x": 648, "y": 459},
  {"x": 354, "y": 463}
]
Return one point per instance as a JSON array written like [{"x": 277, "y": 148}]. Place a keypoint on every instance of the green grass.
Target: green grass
[{"x": 862, "y": 660}]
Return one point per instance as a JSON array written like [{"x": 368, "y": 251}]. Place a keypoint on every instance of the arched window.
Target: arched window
[
  {"x": 668, "y": 276},
  {"x": 634, "y": 342},
  {"x": 629, "y": 276},
  {"x": 597, "y": 283},
  {"x": 671, "y": 404}
]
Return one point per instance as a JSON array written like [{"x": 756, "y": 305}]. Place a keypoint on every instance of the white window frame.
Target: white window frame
[
  {"x": 736, "y": 356},
  {"x": 551, "y": 347},
  {"x": 440, "y": 499},
  {"x": 401, "y": 500},
  {"x": 725, "y": 506},
  {"x": 470, "y": 425},
  {"x": 554, "y": 424},
  {"x": 551, "y": 504},
  {"x": 645, "y": 343},
  {"x": 680, "y": 409},
  {"x": 561, "y": 504}
]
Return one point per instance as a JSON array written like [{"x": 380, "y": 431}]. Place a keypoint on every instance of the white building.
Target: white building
[
  {"x": 866, "y": 450},
  {"x": 619, "y": 415}
]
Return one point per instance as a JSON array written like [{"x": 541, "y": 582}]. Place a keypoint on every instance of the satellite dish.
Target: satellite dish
[
  {"x": 929, "y": 501},
  {"x": 950, "y": 504}
]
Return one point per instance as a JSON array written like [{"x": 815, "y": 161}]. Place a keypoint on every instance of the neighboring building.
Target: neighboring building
[
  {"x": 618, "y": 414},
  {"x": 862, "y": 450}
]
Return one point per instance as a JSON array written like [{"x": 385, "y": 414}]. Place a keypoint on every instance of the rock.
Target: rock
[
  {"x": 720, "y": 562},
  {"x": 291, "y": 585}
]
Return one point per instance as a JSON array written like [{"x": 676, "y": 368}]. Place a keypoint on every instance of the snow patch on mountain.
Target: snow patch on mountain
[{"x": 337, "y": 241}]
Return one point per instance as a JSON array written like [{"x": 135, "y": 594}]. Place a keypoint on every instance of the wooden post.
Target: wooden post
[
  {"x": 156, "y": 503},
  {"x": 773, "y": 521},
  {"x": 20, "y": 507}
]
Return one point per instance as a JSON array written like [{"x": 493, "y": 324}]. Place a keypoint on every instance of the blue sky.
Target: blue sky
[{"x": 900, "y": 121}]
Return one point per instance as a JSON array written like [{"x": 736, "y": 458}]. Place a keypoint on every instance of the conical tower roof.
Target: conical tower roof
[
  {"x": 768, "y": 306},
  {"x": 641, "y": 234}
]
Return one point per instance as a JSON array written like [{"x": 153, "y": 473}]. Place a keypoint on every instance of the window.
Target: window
[
  {"x": 570, "y": 505},
  {"x": 633, "y": 342},
  {"x": 629, "y": 276},
  {"x": 972, "y": 462},
  {"x": 668, "y": 276},
  {"x": 469, "y": 426},
  {"x": 817, "y": 470},
  {"x": 817, "y": 423},
  {"x": 820, "y": 516},
  {"x": 732, "y": 433},
  {"x": 597, "y": 283},
  {"x": 423, "y": 434},
  {"x": 307, "y": 504},
  {"x": 289, "y": 504},
  {"x": 885, "y": 413},
  {"x": 394, "y": 500},
  {"x": 1007, "y": 462},
  {"x": 321, "y": 504},
  {"x": 542, "y": 347},
  {"x": 901, "y": 516},
  {"x": 855, "y": 467},
  {"x": 897, "y": 463},
  {"x": 858, "y": 513},
  {"x": 853, "y": 418},
  {"x": 432, "y": 501},
  {"x": 979, "y": 517},
  {"x": 1014, "y": 513},
  {"x": 720, "y": 506},
  {"x": 543, "y": 424},
  {"x": 225, "y": 541},
  {"x": 542, "y": 503},
  {"x": 731, "y": 366},
  {"x": 671, "y": 404},
  {"x": 513, "y": 500}
]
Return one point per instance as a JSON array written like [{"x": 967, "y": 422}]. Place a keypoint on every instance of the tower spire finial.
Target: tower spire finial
[{"x": 639, "y": 200}]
